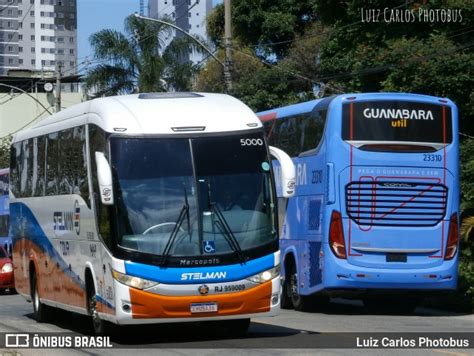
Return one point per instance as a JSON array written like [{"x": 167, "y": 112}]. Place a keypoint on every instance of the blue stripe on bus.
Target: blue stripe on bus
[
  {"x": 25, "y": 226},
  {"x": 292, "y": 109},
  {"x": 207, "y": 274},
  {"x": 100, "y": 299}
]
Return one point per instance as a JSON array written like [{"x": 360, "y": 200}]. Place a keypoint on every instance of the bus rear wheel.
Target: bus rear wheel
[
  {"x": 285, "y": 299},
  {"x": 41, "y": 312}
]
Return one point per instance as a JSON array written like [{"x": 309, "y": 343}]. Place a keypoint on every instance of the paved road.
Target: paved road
[{"x": 296, "y": 330}]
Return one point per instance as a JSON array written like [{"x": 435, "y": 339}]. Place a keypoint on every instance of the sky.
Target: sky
[{"x": 95, "y": 15}]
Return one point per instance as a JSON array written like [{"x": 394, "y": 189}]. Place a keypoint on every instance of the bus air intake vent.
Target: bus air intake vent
[
  {"x": 315, "y": 275},
  {"x": 170, "y": 95},
  {"x": 392, "y": 203}
]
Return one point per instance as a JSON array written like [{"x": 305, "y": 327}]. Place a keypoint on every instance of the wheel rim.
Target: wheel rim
[
  {"x": 36, "y": 300},
  {"x": 294, "y": 287},
  {"x": 94, "y": 314}
]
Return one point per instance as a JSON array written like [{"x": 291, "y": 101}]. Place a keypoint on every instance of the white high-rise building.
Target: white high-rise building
[
  {"x": 189, "y": 15},
  {"x": 38, "y": 35}
]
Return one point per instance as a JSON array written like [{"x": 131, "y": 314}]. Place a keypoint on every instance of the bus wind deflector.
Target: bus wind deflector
[
  {"x": 104, "y": 177},
  {"x": 288, "y": 172}
]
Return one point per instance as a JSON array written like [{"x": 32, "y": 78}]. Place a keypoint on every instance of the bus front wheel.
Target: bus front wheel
[{"x": 99, "y": 326}]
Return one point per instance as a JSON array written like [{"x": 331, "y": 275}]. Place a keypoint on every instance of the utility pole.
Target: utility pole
[
  {"x": 228, "y": 46},
  {"x": 58, "y": 89}
]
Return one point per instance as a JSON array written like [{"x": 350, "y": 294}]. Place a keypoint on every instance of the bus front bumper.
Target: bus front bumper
[{"x": 135, "y": 306}]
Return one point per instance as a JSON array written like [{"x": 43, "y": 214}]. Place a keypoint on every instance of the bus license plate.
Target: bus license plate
[{"x": 203, "y": 307}]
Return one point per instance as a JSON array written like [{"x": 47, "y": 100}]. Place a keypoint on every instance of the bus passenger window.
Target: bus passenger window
[
  {"x": 38, "y": 179},
  {"x": 52, "y": 159},
  {"x": 26, "y": 168},
  {"x": 15, "y": 168},
  {"x": 313, "y": 130}
]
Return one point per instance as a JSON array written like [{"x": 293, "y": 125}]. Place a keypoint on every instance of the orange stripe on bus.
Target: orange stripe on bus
[
  {"x": 53, "y": 283},
  {"x": 149, "y": 305}
]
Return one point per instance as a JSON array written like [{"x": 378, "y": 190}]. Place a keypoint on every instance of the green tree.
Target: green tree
[
  {"x": 467, "y": 177},
  {"x": 259, "y": 85},
  {"x": 134, "y": 62},
  {"x": 5, "y": 152},
  {"x": 433, "y": 58},
  {"x": 267, "y": 25},
  {"x": 285, "y": 37}
]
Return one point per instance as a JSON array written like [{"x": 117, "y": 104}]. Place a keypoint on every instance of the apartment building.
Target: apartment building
[
  {"x": 189, "y": 15},
  {"x": 38, "y": 35}
]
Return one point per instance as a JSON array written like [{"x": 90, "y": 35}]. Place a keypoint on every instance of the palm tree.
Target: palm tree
[
  {"x": 133, "y": 62},
  {"x": 467, "y": 228}
]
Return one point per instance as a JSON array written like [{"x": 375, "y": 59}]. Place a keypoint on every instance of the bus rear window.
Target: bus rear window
[{"x": 396, "y": 121}]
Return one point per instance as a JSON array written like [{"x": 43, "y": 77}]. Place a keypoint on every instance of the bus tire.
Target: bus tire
[
  {"x": 100, "y": 327},
  {"x": 41, "y": 312},
  {"x": 300, "y": 302},
  {"x": 285, "y": 298}
]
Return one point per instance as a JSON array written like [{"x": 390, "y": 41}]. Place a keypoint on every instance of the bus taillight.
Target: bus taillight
[
  {"x": 453, "y": 237},
  {"x": 336, "y": 235}
]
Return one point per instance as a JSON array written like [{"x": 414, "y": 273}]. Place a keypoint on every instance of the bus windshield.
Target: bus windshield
[
  {"x": 193, "y": 197},
  {"x": 371, "y": 122}
]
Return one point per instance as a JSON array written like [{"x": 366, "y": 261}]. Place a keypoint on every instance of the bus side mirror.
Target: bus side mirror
[
  {"x": 104, "y": 176},
  {"x": 288, "y": 172}
]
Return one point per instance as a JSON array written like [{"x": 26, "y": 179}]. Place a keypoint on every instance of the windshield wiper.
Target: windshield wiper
[
  {"x": 227, "y": 232},
  {"x": 224, "y": 226},
  {"x": 183, "y": 213}
]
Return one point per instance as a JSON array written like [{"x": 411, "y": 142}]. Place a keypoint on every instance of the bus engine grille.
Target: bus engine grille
[{"x": 390, "y": 203}]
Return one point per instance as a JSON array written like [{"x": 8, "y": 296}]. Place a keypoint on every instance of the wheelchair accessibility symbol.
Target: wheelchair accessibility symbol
[{"x": 209, "y": 246}]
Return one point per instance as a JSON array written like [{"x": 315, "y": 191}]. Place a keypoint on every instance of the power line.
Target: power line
[
  {"x": 30, "y": 122},
  {"x": 175, "y": 19},
  {"x": 6, "y": 7},
  {"x": 466, "y": 135},
  {"x": 328, "y": 30},
  {"x": 365, "y": 70}
]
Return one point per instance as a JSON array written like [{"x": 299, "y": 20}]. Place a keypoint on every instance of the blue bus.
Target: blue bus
[
  {"x": 5, "y": 239},
  {"x": 375, "y": 213}
]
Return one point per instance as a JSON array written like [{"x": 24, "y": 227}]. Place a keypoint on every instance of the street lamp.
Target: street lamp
[{"x": 228, "y": 84}]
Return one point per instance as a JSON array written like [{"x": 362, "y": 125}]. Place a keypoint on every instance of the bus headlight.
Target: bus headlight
[
  {"x": 132, "y": 281},
  {"x": 7, "y": 267},
  {"x": 265, "y": 276}
]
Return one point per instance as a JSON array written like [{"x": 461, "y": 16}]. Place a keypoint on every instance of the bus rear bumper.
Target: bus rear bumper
[{"x": 342, "y": 275}]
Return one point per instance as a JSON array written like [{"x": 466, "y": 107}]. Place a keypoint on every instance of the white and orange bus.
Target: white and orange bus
[{"x": 148, "y": 208}]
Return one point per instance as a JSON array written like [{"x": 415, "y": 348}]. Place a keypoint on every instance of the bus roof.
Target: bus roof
[
  {"x": 153, "y": 113},
  {"x": 308, "y": 106}
]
